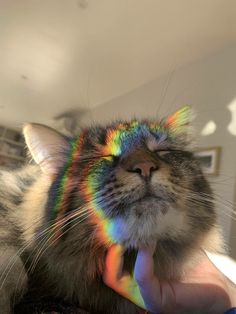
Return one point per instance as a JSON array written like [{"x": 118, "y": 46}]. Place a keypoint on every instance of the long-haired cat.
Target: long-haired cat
[{"x": 135, "y": 183}]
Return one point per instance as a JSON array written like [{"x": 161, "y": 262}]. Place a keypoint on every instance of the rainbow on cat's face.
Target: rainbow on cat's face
[
  {"x": 121, "y": 141},
  {"x": 135, "y": 180}
]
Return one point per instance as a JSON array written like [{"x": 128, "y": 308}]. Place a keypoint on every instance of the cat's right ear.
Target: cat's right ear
[{"x": 47, "y": 147}]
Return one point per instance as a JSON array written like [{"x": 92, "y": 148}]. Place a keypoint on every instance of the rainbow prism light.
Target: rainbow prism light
[{"x": 119, "y": 140}]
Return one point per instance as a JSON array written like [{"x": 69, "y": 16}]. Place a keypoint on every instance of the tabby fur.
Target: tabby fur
[{"x": 174, "y": 209}]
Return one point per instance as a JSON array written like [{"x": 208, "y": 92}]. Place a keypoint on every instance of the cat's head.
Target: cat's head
[{"x": 134, "y": 182}]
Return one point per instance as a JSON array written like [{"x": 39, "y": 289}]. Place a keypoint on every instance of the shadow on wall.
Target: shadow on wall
[{"x": 220, "y": 123}]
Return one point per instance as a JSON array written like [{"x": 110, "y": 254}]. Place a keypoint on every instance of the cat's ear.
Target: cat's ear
[
  {"x": 179, "y": 122},
  {"x": 46, "y": 146}
]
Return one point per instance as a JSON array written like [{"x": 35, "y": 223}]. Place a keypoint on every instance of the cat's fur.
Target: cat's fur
[{"x": 177, "y": 214}]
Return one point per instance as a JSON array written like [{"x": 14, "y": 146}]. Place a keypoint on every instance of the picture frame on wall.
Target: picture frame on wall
[{"x": 209, "y": 159}]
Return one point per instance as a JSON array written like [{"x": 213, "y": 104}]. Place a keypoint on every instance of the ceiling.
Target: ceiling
[{"x": 59, "y": 54}]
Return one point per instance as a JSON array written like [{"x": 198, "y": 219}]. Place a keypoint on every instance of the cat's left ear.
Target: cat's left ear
[
  {"x": 180, "y": 121},
  {"x": 47, "y": 147}
]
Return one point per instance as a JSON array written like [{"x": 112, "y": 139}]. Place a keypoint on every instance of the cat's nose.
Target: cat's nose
[{"x": 145, "y": 169}]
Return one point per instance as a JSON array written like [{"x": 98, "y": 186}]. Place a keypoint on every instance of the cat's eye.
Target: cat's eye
[
  {"x": 165, "y": 152},
  {"x": 162, "y": 153},
  {"x": 109, "y": 158},
  {"x": 113, "y": 158}
]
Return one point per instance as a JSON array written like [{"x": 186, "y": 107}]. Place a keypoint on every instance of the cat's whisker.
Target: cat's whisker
[
  {"x": 227, "y": 206},
  {"x": 228, "y": 211},
  {"x": 76, "y": 215},
  {"x": 75, "y": 223},
  {"x": 216, "y": 199},
  {"x": 197, "y": 202},
  {"x": 13, "y": 260},
  {"x": 199, "y": 198},
  {"x": 50, "y": 243},
  {"x": 44, "y": 234}
]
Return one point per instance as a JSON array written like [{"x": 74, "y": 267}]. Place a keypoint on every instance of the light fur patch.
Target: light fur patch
[{"x": 33, "y": 208}]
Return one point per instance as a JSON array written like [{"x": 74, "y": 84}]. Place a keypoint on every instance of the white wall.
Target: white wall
[{"x": 208, "y": 85}]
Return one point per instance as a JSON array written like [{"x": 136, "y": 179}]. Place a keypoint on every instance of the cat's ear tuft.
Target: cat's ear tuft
[
  {"x": 179, "y": 122},
  {"x": 46, "y": 146}
]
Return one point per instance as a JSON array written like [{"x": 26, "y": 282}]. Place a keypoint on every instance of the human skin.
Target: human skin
[{"x": 203, "y": 290}]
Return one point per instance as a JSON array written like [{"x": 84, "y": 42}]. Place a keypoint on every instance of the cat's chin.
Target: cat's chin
[
  {"x": 132, "y": 235},
  {"x": 146, "y": 204},
  {"x": 146, "y": 207},
  {"x": 145, "y": 225},
  {"x": 132, "y": 244}
]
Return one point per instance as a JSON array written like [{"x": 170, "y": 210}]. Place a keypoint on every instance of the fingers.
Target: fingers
[
  {"x": 200, "y": 291},
  {"x": 149, "y": 285},
  {"x": 144, "y": 266},
  {"x": 122, "y": 283},
  {"x": 113, "y": 265},
  {"x": 144, "y": 288}
]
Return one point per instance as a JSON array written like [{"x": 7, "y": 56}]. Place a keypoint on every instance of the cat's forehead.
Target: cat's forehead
[
  {"x": 136, "y": 128},
  {"x": 122, "y": 136},
  {"x": 126, "y": 136}
]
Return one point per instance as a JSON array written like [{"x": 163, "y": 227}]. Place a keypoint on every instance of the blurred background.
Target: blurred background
[{"x": 70, "y": 63}]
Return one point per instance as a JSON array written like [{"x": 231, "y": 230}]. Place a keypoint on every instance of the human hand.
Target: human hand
[{"x": 203, "y": 290}]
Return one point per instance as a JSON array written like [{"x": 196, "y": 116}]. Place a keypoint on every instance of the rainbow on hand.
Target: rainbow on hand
[{"x": 124, "y": 284}]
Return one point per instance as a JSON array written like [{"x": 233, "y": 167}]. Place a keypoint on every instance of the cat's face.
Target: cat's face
[
  {"x": 144, "y": 181},
  {"x": 138, "y": 182}
]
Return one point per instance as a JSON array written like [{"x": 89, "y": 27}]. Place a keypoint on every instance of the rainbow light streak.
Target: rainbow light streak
[
  {"x": 124, "y": 137},
  {"x": 179, "y": 119},
  {"x": 105, "y": 225},
  {"x": 124, "y": 284},
  {"x": 65, "y": 184},
  {"x": 119, "y": 140}
]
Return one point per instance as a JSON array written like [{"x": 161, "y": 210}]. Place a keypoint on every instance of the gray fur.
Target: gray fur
[{"x": 179, "y": 217}]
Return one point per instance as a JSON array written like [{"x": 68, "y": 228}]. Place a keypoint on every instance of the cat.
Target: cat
[{"x": 136, "y": 183}]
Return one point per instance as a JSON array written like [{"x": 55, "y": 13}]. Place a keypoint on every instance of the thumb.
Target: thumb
[
  {"x": 144, "y": 266},
  {"x": 149, "y": 285}
]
